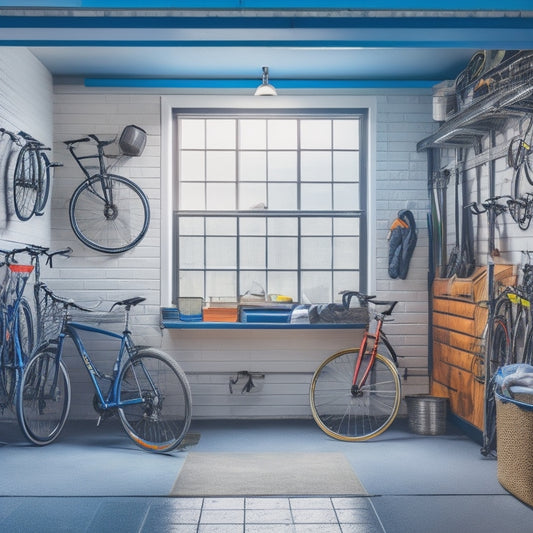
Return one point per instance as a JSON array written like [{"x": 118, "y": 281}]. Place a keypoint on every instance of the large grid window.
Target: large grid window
[{"x": 271, "y": 203}]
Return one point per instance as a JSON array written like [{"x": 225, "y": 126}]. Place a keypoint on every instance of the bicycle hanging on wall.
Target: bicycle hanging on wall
[
  {"x": 108, "y": 213},
  {"x": 32, "y": 175}
]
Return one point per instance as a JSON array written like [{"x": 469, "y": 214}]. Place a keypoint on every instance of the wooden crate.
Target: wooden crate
[{"x": 473, "y": 288}]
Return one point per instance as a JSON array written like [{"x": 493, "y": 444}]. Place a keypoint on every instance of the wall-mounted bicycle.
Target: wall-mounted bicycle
[{"x": 108, "y": 213}]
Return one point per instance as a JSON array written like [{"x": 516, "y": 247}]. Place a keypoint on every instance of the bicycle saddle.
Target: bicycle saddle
[{"x": 129, "y": 302}]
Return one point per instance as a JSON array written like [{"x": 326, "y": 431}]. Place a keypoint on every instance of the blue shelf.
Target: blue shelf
[{"x": 180, "y": 324}]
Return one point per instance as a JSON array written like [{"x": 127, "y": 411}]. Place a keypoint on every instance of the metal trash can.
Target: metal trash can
[{"x": 427, "y": 414}]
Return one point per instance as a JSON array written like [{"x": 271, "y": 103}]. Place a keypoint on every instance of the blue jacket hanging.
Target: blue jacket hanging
[{"x": 402, "y": 241}]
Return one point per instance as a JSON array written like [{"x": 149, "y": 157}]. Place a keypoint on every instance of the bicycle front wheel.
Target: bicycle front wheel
[
  {"x": 109, "y": 213},
  {"x": 354, "y": 417},
  {"x": 155, "y": 401},
  {"x": 43, "y": 398},
  {"x": 25, "y": 184}
]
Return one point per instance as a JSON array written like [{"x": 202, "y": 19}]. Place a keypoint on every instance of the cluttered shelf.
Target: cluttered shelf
[{"x": 289, "y": 316}]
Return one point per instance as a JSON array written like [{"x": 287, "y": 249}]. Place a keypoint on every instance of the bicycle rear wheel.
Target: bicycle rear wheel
[
  {"x": 161, "y": 420},
  {"x": 25, "y": 329},
  {"x": 43, "y": 398},
  {"x": 109, "y": 213},
  {"x": 25, "y": 183},
  {"x": 348, "y": 417},
  {"x": 44, "y": 183}
]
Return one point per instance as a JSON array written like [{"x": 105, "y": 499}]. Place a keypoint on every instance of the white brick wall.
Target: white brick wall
[
  {"x": 25, "y": 104},
  {"x": 210, "y": 357}
]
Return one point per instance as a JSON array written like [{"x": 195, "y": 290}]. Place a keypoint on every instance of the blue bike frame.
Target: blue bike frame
[{"x": 126, "y": 346}]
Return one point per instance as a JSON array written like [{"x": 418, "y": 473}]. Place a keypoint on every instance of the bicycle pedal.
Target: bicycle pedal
[{"x": 99, "y": 421}]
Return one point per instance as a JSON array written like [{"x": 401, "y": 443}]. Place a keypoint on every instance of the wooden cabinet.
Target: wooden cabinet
[{"x": 460, "y": 314}]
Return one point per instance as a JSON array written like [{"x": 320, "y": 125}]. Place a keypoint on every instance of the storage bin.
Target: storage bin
[
  {"x": 220, "y": 314},
  {"x": 514, "y": 443},
  {"x": 190, "y": 309},
  {"x": 427, "y": 414}
]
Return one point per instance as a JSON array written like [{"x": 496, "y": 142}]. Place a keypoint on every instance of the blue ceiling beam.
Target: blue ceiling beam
[
  {"x": 175, "y": 83},
  {"x": 437, "y": 5}
]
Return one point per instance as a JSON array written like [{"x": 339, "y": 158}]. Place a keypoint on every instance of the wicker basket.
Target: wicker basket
[{"x": 514, "y": 439}]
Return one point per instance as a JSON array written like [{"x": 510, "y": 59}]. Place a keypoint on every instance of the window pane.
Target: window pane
[
  {"x": 221, "y": 252},
  {"x": 192, "y": 133},
  {"x": 252, "y": 226},
  {"x": 252, "y": 252},
  {"x": 345, "y": 281},
  {"x": 346, "y": 166},
  {"x": 282, "y": 226},
  {"x": 345, "y": 197},
  {"x": 316, "y": 226},
  {"x": 282, "y": 196},
  {"x": 220, "y": 283},
  {"x": 345, "y": 252},
  {"x": 252, "y": 166},
  {"x": 191, "y": 225},
  {"x": 192, "y": 166},
  {"x": 252, "y": 282},
  {"x": 346, "y": 226},
  {"x": 191, "y": 252},
  {"x": 191, "y": 283},
  {"x": 315, "y": 134},
  {"x": 345, "y": 134},
  {"x": 282, "y": 134},
  {"x": 252, "y": 196},
  {"x": 221, "y": 226},
  {"x": 282, "y": 252},
  {"x": 220, "y": 133},
  {"x": 316, "y": 166},
  {"x": 282, "y": 166},
  {"x": 316, "y": 197},
  {"x": 221, "y": 166},
  {"x": 252, "y": 134},
  {"x": 316, "y": 252},
  {"x": 221, "y": 196},
  {"x": 316, "y": 287},
  {"x": 285, "y": 283},
  {"x": 192, "y": 196}
]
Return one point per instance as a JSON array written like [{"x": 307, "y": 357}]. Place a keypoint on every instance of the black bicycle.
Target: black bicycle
[
  {"x": 32, "y": 175},
  {"x": 108, "y": 213}
]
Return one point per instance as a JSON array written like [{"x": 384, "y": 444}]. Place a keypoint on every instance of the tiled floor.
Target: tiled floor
[
  {"x": 189, "y": 515},
  {"x": 94, "y": 480}
]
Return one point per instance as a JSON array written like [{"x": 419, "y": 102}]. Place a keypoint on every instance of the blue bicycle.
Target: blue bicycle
[
  {"x": 15, "y": 328},
  {"x": 146, "y": 388}
]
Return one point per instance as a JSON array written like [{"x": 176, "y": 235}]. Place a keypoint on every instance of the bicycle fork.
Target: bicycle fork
[{"x": 358, "y": 382}]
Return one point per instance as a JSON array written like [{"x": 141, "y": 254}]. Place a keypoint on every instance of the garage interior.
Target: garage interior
[{"x": 446, "y": 100}]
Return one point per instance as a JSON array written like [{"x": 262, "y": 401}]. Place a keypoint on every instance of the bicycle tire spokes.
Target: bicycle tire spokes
[
  {"x": 345, "y": 416},
  {"x": 154, "y": 401}
]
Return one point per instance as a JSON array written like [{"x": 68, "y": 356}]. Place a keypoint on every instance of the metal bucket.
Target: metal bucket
[{"x": 427, "y": 414}]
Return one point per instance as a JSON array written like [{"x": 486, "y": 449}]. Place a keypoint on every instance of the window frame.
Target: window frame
[
  {"x": 359, "y": 215},
  {"x": 293, "y": 100}
]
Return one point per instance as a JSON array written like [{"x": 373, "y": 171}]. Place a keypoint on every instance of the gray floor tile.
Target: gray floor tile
[
  {"x": 269, "y": 528},
  {"x": 223, "y": 503},
  {"x": 221, "y": 528},
  {"x": 314, "y": 516},
  {"x": 214, "y": 516},
  {"x": 356, "y": 516},
  {"x": 361, "y": 528},
  {"x": 267, "y": 503},
  {"x": 311, "y": 503},
  {"x": 352, "y": 503},
  {"x": 268, "y": 516},
  {"x": 317, "y": 528}
]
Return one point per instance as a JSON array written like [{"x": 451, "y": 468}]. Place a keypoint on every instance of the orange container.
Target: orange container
[{"x": 220, "y": 314}]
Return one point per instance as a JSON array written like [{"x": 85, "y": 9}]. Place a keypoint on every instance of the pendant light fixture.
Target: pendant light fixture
[{"x": 265, "y": 89}]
